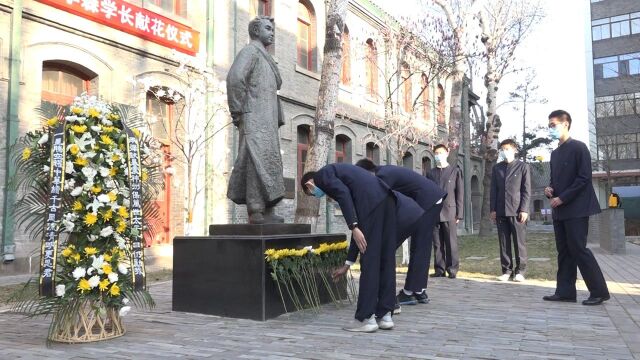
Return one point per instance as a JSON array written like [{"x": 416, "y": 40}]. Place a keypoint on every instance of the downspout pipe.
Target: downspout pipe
[
  {"x": 234, "y": 145},
  {"x": 208, "y": 199},
  {"x": 15, "y": 61}
]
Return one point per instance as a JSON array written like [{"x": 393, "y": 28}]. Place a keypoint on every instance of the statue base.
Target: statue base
[{"x": 226, "y": 274}]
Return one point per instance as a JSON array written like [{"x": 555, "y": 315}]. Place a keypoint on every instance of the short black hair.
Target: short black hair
[
  {"x": 306, "y": 177},
  {"x": 441, "y": 146},
  {"x": 366, "y": 164},
  {"x": 561, "y": 115},
  {"x": 509, "y": 142}
]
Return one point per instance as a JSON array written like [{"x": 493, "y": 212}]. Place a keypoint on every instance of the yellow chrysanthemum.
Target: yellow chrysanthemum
[
  {"x": 76, "y": 257},
  {"x": 77, "y": 205},
  {"x": 79, "y": 129},
  {"x": 122, "y": 147},
  {"x": 52, "y": 122},
  {"x": 107, "y": 269},
  {"x": 115, "y": 157},
  {"x": 145, "y": 175},
  {"x": 76, "y": 110},
  {"x": 93, "y": 112},
  {"x": 122, "y": 211},
  {"x": 26, "y": 154},
  {"x": 67, "y": 252},
  {"x": 74, "y": 149},
  {"x": 107, "y": 214},
  {"x": 136, "y": 132},
  {"x": 115, "y": 290},
  {"x": 83, "y": 285},
  {"x": 107, "y": 257},
  {"x": 122, "y": 226},
  {"x": 90, "y": 250},
  {"x": 90, "y": 218},
  {"x": 114, "y": 117},
  {"x": 112, "y": 196},
  {"x": 81, "y": 161},
  {"x": 106, "y": 140},
  {"x": 103, "y": 285},
  {"x": 113, "y": 172},
  {"x": 96, "y": 189},
  {"x": 107, "y": 129}
]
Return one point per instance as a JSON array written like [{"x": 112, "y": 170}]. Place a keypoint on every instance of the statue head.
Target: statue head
[{"x": 262, "y": 28}]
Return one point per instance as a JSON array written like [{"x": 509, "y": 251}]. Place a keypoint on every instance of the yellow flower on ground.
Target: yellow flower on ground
[
  {"x": 67, "y": 252},
  {"x": 112, "y": 196},
  {"x": 81, "y": 161},
  {"x": 122, "y": 226},
  {"x": 107, "y": 214},
  {"x": 107, "y": 268},
  {"x": 76, "y": 110},
  {"x": 94, "y": 112},
  {"x": 113, "y": 172},
  {"x": 107, "y": 257},
  {"x": 90, "y": 251},
  {"x": 106, "y": 140},
  {"x": 76, "y": 257},
  {"x": 96, "y": 189},
  {"x": 90, "y": 218},
  {"x": 77, "y": 205},
  {"x": 26, "y": 154},
  {"x": 83, "y": 285},
  {"x": 74, "y": 149},
  {"x": 52, "y": 122},
  {"x": 79, "y": 129},
  {"x": 115, "y": 290},
  {"x": 115, "y": 157},
  {"x": 104, "y": 284},
  {"x": 122, "y": 211},
  {"x": 145, "y": 175},
  {"x": 136, "y": 132}
]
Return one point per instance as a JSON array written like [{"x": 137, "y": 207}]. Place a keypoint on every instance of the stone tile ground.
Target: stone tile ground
[{"x": 466, "y": 319}]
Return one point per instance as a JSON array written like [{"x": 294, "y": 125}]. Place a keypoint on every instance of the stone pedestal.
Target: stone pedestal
[
  {"x": 612, "y": 238},
  {"x": 226, "y": 274}
]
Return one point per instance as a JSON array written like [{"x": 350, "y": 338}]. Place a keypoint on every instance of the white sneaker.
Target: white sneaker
[
  {"x": 386, "y": 323},
  {"x": 519, "y": 278},
  {"x": 504, "y": 277},
  {"x": 368, "y": 326}
]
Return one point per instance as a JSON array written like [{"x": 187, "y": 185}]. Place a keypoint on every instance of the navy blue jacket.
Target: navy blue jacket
[
  {"x": 424, "y": 191},
  {"x": 571, "y": 181}
]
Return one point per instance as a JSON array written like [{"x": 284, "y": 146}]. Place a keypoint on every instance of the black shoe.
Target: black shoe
[
  {"x": 596, "y": 300},
  {"x": 452, "y": 276},
  {"x": 404, "y": 299},
  {"x": 422, "y": 297},
  {"x": 398, "y": 309},
  {"x": 437, "y": 275},
  {"x": 555, "y": 297}
]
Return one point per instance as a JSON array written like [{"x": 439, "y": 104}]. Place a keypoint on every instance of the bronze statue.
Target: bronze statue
[{"x": 252, "y": 85}]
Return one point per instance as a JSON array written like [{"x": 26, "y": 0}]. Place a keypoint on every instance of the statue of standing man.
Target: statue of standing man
[{"x": 252, "y": 85}]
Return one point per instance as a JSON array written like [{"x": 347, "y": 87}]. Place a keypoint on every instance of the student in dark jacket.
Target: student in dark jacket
[
  {"x": 445, "y": 239},
  {"x": 573, "y": 200},
  {"x": 510, "y": 194},
  {"x": 369, "y": 209}
]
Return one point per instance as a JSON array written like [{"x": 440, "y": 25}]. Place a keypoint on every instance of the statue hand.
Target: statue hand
[{"x": 236, "y": 119}]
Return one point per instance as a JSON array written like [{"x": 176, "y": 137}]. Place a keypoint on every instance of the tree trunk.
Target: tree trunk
[
  {"x": 308, "y": 208},
  {"x": 455, "y": 115}
]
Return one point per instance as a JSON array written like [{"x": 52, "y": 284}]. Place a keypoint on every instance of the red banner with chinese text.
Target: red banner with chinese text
[{"x": 134, "y": 20}]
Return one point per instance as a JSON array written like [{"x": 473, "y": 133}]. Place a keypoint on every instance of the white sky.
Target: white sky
[{"x": 556, "y": 50}]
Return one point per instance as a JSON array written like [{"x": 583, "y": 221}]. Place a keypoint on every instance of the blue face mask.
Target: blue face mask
[
  {"x": 554, "y": 133},
  {"x": 317, "y": 192}
]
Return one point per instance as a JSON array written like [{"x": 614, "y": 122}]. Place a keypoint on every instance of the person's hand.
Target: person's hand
[
  {"x": 358, "y": 237},
  {"x": 555, "y": 202},
  {"x": 493, "y": 217},
  {"x": 339, "y": 272},
  {"x": 523, "y": 217},
  {"x": 548, "y": 192}
]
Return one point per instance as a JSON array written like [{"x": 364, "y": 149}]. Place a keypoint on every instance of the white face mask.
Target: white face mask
[
  {"x": 441, "y": 160},
  {"x": 506, "y": 155}
]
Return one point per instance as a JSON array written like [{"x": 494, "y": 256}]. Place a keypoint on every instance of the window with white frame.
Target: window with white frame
[
  {"x": 617, "y": 105},
  {"x": 616, "y": 66},
  {"x": 616, "y": 26}
]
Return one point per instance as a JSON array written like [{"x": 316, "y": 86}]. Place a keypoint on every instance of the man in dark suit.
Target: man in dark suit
[
  {"x": 369, "y": 208},
  {"x": 445, "y": 239},
  {"x": 573, "y": 200},
  {"x": 429, "y": 197},
  {"x": 510, "y": 193}
]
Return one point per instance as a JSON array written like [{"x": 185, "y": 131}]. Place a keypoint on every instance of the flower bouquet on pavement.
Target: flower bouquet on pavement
[{"x": 86, "y": 181}]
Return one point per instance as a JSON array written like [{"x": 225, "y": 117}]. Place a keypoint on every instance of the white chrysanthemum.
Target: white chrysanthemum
[
  {"x": 76, "y": 191},
  {"x": 104, "y": 172},
  {"x": 60, "y": 289},
  {"x": 94, "y": 281},
  {"x": 106, "y": 122},
  {"x": 93, "y": 238},
  {"x": 97, "y": 262},
  {"x": 69, "y": 183},
  {"x": 125, "y": 301},
  {"x": 104, "y": 198},
  {"x": 45, "y": 168},
  {"x": 44, "y": 139},
  {"x": 68, "y": 167},
  {"x": 124, "y": 310},
  {"x": 90, "y": 271},
  {"x": 79, "y": 272},
  {"x": 96, "y": 129},
  {"x": 113, "y": 277},
  {"x": 89, "y": 172},
  {"x": 106, "y": 232},
  {"x": 68, "y": 225},
  {"x": 123, "y": 268}
]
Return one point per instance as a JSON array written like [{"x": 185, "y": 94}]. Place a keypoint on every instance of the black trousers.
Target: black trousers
[
  {"x": 377, "y": 292},
  {"x": 420, "y": 250},
  {"x": 511, "y": 231},
  {"x": 571, "y": 242},
  {"x": 445, "y": 247}
]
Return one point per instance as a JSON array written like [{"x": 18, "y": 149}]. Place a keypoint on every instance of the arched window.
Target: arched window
[
  {"x": 426, "y": 105},
  {"x": 62, "y": 81},
  {"x": 343, "y": 149},
  {"x": 441, "y": 108},
  {"x": 306, "y": 36},
  {"x": 371, "y": 67},
  {"x": 407, "y": 96},
  {"x": 426, "y": 165},
  {"x": 373, "y": 153},
  {"x": 407, "y": 160},
  {"x": 304, "y": 139},
  {"x": 345, "y": 76},
  {"x": 264, "y": 7}
]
